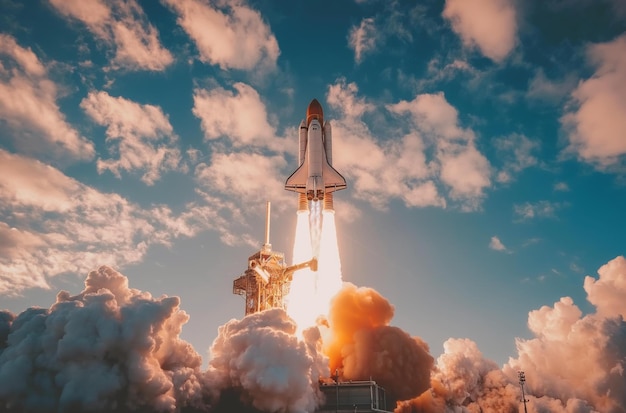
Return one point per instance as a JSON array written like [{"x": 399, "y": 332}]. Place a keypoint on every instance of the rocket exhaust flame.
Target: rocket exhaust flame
[
  {"x": 310, "y": 292},
  {"x": 298, "y": 300},
  {"x": 329, "y": 270}
]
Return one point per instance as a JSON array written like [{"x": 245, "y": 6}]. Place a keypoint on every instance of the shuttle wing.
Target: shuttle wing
[
  {"x": 297, "y": 181},
  {"x": 333, "y": 181}
]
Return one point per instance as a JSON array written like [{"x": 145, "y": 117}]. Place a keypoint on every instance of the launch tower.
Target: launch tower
[{"x": 266, "y": 281}]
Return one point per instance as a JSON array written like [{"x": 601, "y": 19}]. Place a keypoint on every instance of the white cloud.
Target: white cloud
[
  {"x": 516, "y": 153},
  {"x": 489, "y": 25},
  {"x": 52, "y": 224},
  {"x": 460, "y": 165},
  {"x": 123, "y": 25},
  {"x": 362, "y": 39},
  {"x": 466, "y": 172},
  {"x": 28, "y": 105},
  {"x": 140, "y": 134},
  {"x": 433, "y": 114},
  {"x": 496, "y": 244},
  {"x": 358, "y": 155},
  {"x": 596, "y": 126},
  {"x": 608, "y": 291},
  {"x": 231, "y": 34},
  {"x": 342, "y": 97},
  {"x": 246, "y": 169},
  {"x": 240, "y": 116},
  {"x": 540, "y": 209},
  {"x": 415, "y": 178},
  {"x": 251, "y": 177}
]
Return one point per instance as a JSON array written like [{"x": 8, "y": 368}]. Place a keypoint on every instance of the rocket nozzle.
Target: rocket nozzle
[
  {"x": 303, "y": 203},
  {"x": 328, "y": 202}
]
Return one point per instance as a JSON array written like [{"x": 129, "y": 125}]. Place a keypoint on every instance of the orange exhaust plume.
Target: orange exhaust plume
[{"x": 363, "y": 346}]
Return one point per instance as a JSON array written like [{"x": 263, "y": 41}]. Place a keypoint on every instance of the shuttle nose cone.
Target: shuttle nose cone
[{"x": 314, "y": 111}]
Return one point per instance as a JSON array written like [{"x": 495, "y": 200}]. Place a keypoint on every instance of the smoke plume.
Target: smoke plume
[
  {"x": 574, "y": 364},
  {"x": 109, "y": 348},
  {"x": 261, "y": 359},
  {"x": 363, "y": 346},
  {"x": 112, "y": 348}
]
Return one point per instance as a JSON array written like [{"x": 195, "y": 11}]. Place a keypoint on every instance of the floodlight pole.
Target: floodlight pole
[{"x": 522, "y": 381}]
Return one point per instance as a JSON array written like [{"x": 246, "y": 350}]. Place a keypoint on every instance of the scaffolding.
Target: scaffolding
[{"x": 266, "y": 281}]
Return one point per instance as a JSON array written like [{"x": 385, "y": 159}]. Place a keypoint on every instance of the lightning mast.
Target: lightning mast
[{"x": 266, "y": 281}]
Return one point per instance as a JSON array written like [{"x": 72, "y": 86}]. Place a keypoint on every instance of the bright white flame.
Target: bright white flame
[
  {"x": 299, "y": 299},
  {"x": 310, "y": 292},
  {"x": 329, "y": 267}
]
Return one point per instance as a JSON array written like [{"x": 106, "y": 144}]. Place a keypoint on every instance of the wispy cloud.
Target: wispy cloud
[
  {"x": 517, "y": 152},
  {"x": 561, "y": 187},
  {"x": 244, "y": 176},
  {"x": 489, "y": 25},
  {"x": 232, "y": 36},
  {"x": 362, "y": 39},
  {"x": 28, "y": 106},
  {"x": 140, "y": 134},
  {"x": 540, "y": 209},
  {"x": 531, "y": 241},
  {"x": 52, "y": 224},
  {"x": 544, "y": 89},
  {"x": 373, "y": 32},
  {"x": 496, "y": 244},
  {"x": 595, "y": 120},
  {"x": 123, "y": 26}
]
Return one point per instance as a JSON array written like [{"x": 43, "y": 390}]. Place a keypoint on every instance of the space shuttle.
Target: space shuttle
[{"x": 315, "y": 179}]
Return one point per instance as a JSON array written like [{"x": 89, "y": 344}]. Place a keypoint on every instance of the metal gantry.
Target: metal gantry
[{"x": 266, "y": 281}]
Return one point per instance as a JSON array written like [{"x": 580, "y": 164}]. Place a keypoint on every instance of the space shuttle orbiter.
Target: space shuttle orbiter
[{"x": 315, "y": 177}]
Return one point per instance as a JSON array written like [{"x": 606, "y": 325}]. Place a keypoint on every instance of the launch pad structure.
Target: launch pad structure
[
  {"x": 266, "y": 281},
  {"x": 353, "y": 396}
]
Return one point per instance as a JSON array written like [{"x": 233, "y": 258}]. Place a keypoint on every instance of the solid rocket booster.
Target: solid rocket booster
[{"x": 315, "y": 179}]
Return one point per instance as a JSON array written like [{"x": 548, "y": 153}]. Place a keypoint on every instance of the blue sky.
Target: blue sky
[{"x": 483, "y": 143}]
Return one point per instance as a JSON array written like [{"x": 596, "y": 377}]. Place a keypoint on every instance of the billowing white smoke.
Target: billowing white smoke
[
  {"x": 272, "y": 369},
  {"x": 112, "y": 348},
  {"x": 116, "y": 349},
  {"x": 109, "y": 348},
  {"x": 575, "y": 363}
]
